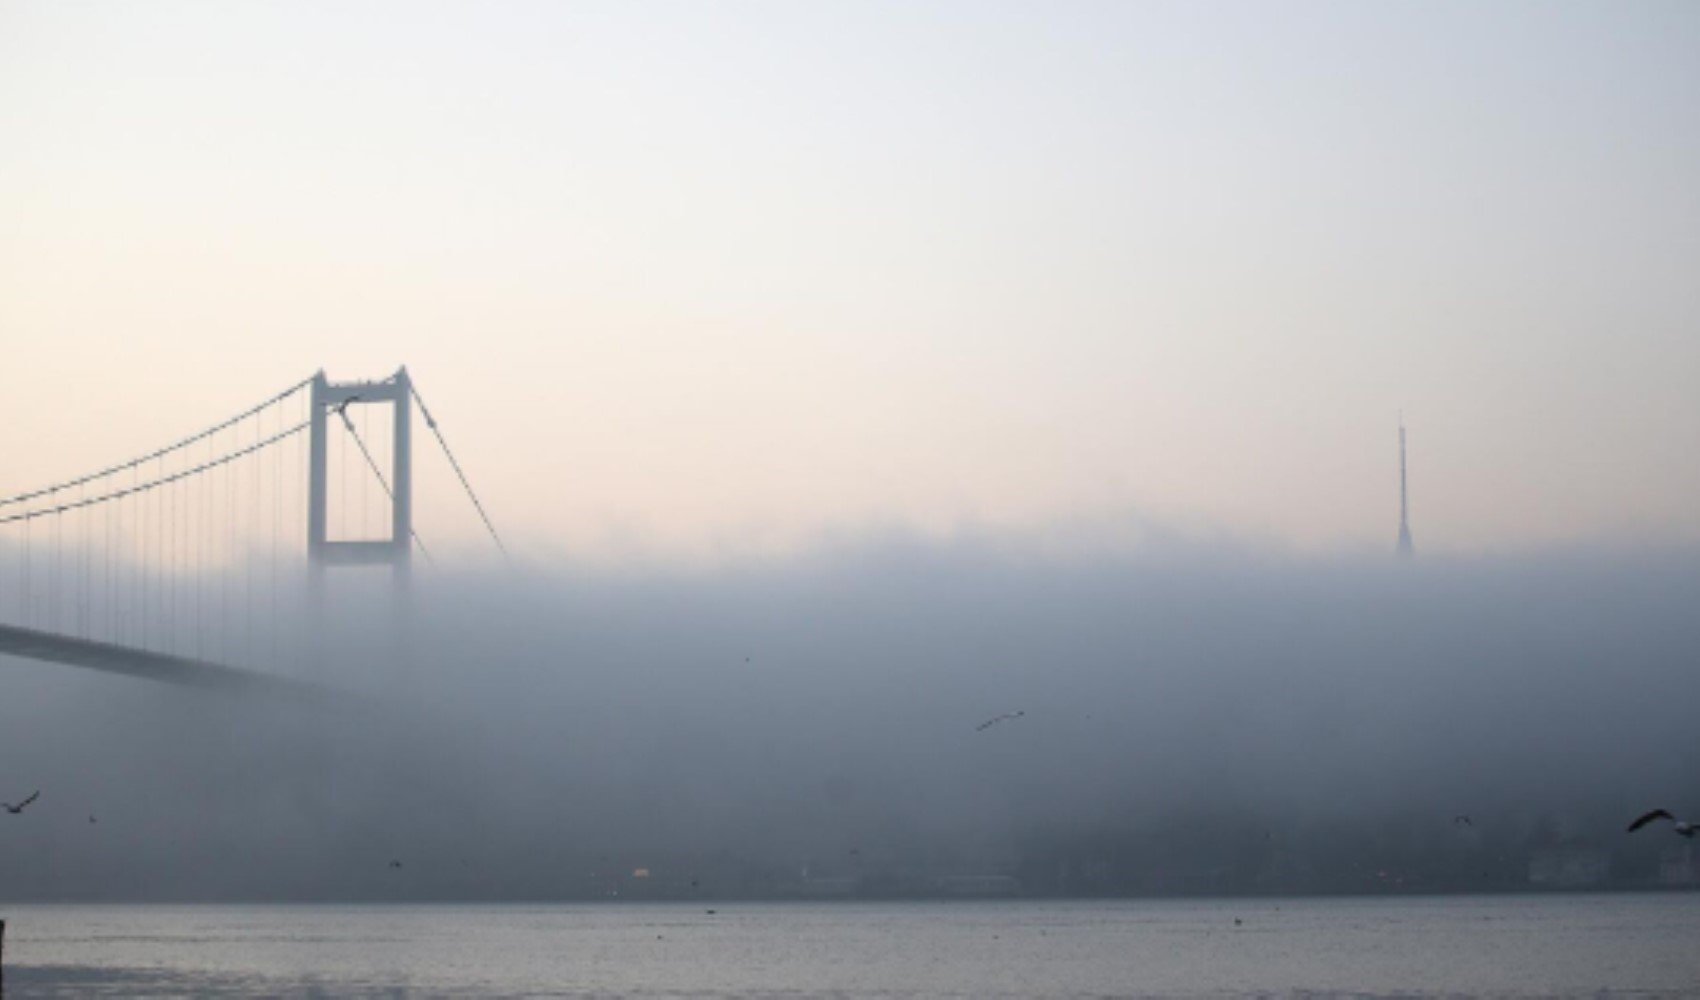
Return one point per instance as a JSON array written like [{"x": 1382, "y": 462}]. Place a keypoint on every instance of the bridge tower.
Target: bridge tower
[{"x": 331, "y": 400}]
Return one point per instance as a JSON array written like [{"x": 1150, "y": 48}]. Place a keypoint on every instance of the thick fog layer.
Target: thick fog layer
[{"x": 1194, "y": 719}]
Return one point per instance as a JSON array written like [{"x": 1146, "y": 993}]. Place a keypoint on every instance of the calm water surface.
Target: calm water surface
[{"x": 1619, "y": 945}]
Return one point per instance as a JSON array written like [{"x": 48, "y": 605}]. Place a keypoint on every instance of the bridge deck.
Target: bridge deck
[{"x": 54, "y": 648}]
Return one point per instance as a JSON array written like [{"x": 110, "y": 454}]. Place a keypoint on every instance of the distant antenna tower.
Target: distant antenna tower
[{"x": 1404, "y": 503}]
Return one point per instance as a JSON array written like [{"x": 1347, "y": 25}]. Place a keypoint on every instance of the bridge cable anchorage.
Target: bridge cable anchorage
[
  {"x": 164, "y": 480},
  {"x": 133, "y": 463},
  {"x": 342, "y": 411},
  {"x": 431, "y": 422}
]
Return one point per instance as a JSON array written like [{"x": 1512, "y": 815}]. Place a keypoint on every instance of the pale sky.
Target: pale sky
[{"x": 699, "y": 277}]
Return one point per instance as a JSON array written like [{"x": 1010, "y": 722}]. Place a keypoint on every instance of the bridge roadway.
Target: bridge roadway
[{"x": 51, "y": 647}]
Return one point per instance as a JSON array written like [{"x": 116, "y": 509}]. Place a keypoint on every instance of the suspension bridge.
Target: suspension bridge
[{"x": 204, "y": 562}]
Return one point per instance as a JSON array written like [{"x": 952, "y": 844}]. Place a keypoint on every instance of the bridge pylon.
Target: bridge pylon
[{"x": 331, "y": 400}]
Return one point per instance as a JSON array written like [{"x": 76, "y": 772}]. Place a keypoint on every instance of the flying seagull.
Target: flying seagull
[
  {"x": 16, "y": 809},
  {"x": 989, "y": 723},
  {"x": 1461, "y": 820},
  {"x": 1683, "y": 827}
]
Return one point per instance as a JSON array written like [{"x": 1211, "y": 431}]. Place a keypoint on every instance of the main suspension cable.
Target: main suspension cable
[
  {"x": 91, "y": 477},
  {"x": 432, "y": 423},
  {"x": 162, "y": 480},
  {"x": 342, "y": 411}
]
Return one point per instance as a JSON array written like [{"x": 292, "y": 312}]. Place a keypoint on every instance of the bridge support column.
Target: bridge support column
[
  {"x": 331, "y": 399},
  {"x": 317, "y": 494},
  {"x": 401, "y": 473}
]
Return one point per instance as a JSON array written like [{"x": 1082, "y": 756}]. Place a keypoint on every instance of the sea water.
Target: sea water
[{"x": 1495, "y": 946}]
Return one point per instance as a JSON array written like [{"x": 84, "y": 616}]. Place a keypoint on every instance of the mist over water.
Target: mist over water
[{"x": 1197, "y": 717}]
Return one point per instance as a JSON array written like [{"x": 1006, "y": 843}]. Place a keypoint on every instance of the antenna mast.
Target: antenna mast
[{"x": 1404, "y": 503}]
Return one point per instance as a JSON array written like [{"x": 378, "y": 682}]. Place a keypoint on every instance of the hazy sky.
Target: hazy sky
[{"x": 696, "y": 277}]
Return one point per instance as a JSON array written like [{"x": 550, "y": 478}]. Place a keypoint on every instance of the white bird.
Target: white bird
[
  {"x": 989, "y": 723},
  {"x": 1682, "y": 827},
  {"x": 16, "y": 809}
]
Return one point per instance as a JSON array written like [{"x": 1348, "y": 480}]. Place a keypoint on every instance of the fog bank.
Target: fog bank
[{"x": 1196, "y": 718}]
